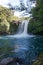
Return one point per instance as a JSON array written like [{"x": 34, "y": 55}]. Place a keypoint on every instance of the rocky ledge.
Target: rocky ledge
[{"x": 10, "y": 61}]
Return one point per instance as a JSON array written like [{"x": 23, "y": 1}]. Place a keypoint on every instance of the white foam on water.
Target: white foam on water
[{"x": 22, "y": 31}]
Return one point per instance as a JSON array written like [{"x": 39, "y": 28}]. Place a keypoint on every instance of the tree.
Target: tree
[
  {"x": 36, "y": 23},
  {"x": 22, "y": 5},
  {"x": 6, "y": 21}
]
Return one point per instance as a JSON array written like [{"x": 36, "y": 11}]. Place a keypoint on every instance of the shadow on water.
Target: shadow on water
[{"x": 26, "y": 49}]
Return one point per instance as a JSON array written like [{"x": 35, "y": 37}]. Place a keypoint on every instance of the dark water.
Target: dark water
[{"x": 24, "y": 48}]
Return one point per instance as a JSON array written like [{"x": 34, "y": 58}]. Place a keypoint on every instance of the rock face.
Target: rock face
[
  {"x": 6, "y": 61},
  {"x": 11, "y": 61}
]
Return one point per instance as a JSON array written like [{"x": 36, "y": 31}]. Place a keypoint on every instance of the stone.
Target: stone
[
  {"x": 10, "y": 60},
  {"x": 5, "y": 61}
]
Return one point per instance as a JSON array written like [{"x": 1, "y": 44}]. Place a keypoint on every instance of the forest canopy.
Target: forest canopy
[
  {"x": 6, "y": 19},
  {"x": 36, "y": 23}
]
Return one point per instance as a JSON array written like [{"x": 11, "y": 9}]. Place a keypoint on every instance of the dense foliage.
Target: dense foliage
[
  {"x": 36, "y": 23},
  {"x": 6, "y": 17}
]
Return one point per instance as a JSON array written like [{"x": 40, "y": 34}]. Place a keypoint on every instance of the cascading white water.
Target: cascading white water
[
  {"x": 22, "y": 30},
  {"x": 23, "y": 27}
]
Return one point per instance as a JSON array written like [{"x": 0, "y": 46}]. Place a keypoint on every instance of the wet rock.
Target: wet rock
[
  {"x": 5, "y": 61},
  {"x": 10, "y": 61},
  {"x": 19, "y": 60}
]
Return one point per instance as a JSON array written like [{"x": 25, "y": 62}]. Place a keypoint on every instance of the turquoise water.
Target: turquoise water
[{"x": 26, "y": 48}]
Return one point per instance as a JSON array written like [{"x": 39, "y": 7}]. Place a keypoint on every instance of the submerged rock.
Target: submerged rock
[
  {"x": 10, "y": 60},
  {"x": 5, "y": 61}
]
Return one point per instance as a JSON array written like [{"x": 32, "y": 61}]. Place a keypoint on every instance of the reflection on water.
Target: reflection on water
[{"x": 24, "y": 48}]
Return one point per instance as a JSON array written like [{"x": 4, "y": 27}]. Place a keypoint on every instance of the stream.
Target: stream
[{"x": 26, "y": 48}]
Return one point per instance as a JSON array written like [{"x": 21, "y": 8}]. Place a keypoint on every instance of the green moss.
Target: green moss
[{"x": 39, "y": 61}]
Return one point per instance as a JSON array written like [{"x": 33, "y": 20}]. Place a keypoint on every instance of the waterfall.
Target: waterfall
[{"x": 22, "y": 29}]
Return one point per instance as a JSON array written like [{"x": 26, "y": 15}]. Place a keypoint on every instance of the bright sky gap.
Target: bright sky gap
[{"x": 14, "y": 3}]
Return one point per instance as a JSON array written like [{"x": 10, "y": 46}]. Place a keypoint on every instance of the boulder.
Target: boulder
[
  {"x": 6, "y": 61},
  {"x": 10, "y": 60}
]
